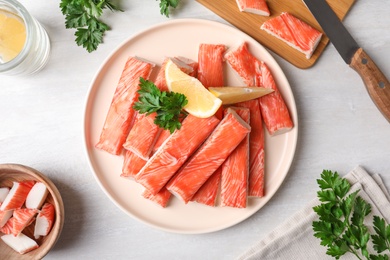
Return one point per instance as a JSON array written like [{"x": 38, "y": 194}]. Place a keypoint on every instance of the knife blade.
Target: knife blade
[{"x": 376, "y": 83}]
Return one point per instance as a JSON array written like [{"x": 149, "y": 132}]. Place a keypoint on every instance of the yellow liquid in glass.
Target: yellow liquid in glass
[{"x": 12, "y": 36}]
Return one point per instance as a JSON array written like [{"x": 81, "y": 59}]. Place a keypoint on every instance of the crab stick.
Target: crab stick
[
  {"x": 120, "y": 116},
  {"x": 143, "y": 135},
  {"x": 174, "y": 152},
  {"x": 256, "y": 149},
  {"x": 36, "y": 196},
  {"x": 235, "y": 171},
  {"x": 132, "y": 164},
  {"x": 8, "y": 226},
  {"x": 161, "y": 198},
  {"x": 17, "y": 195},
  {"x": 209, "y": 157},
  {"x": 5, "y": 215},
  {"x": 45, "y": 220},
  {"x": 256, "y": 73},
  {"x": 21, "y": 243},
  {"x": 207, "y": 194},
  {"x": 210, "y": 70},
  {"x": 259, "y": 7},
  {"x": 21, "y": 219},
  {"x": 293, "y": 32}
]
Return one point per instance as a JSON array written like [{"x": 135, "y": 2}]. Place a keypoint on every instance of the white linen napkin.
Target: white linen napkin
[{"x": 294, "y": 239}]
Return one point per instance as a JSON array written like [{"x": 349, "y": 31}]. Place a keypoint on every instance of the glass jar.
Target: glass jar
[{"x": 34, "y": 54}]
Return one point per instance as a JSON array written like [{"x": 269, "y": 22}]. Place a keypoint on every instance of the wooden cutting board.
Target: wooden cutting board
[{"x": 250, "y": 24}]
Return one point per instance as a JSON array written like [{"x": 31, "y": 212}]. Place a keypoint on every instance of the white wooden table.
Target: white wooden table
[{"x": 41, "y": 126}]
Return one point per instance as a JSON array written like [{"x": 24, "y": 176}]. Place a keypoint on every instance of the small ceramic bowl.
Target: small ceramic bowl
[{"x": 10, "y": 173}]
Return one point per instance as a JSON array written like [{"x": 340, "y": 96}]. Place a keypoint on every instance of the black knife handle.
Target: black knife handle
[{"x": 377, "y": 84}]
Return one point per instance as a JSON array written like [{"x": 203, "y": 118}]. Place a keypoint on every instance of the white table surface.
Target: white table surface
[{"x": 42, "y": 118}]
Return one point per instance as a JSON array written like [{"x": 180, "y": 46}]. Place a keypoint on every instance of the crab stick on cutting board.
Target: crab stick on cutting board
[
  {"x": 293, "y": 32},
  {"x": 174, "y": 152},
  {"x": 120, "y": 116},
  {"x": 259, "y": 7},
  {"x": 209, "y": 157}
]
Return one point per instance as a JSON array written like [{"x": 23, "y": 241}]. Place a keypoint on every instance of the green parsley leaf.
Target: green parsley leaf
[
  {"x": 165, "y": 5},
  {"x": 84, "y": 16},
  {"x": 382, "y": 238},
  {"x": 167, "y": 105},
  {"x": 341, "y": 226}
]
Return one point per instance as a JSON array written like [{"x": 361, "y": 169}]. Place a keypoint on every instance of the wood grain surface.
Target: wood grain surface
[
  {"x": 10, "y": 173},
  {"x": 377, "y": 84},
  {"x": 250, "y": 24}
]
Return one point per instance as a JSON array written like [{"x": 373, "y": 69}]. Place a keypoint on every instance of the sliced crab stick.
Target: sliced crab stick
[
  {"x": 36, "y": 196},
  {"x": 174, "y": 152},
  {"x": 21, "y": 243},
  {"x": 17, "y": 195},
  {"x": 5, "y": 215},
  {"x": 8, "y": 227},
  {"x": 3, "y": 193},
  {"x": 45, "y": 220},
  {"x": 21, "y": 219},
  {"x": 293, "y": 32},
  {"x": 207, "y": 159},
  {"x": 120, "y": 116},
  {"x": 235, "y": 171},
  {"x": 259, "y": 7}
]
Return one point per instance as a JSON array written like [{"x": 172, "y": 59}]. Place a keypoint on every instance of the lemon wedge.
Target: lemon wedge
[
  {"x": 232, "y": 95},
  {"x": 201, "y": 103}
]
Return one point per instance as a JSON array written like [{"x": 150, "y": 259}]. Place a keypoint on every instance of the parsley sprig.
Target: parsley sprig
[
  {"x": 85, "y": 17},
  {"x": 165, "y": 6},
  {"x": 341, "y": 225},
  {"x": 167, "y": 105}
]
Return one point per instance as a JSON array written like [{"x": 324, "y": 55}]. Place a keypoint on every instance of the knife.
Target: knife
[{"x": 376, "y": 83}]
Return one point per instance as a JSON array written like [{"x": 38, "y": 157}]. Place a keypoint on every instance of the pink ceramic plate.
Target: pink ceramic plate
[{"x": 180, "y": 38}]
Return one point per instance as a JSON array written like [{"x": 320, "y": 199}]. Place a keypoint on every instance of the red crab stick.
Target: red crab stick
[
  {"x": 17, "y": 195},
  {"x": 120, "y": 115},
  {"x": 256, "y": 73},
  {"x": 132, "y": 164},
  {"x": 259, "y": 7},
  {"x": 45, "y": 220},
  {"x": 174, "y": 152},
  {"x": 22, "y": 218},
  {"x": 207, "y": 194},
  {"x": 293, "y": 32},
  {"x": 235, "y": 171},
  {"x": 210, "y": 70},
  {"x": 143, "y": 135},
  {"x": 161, "y": 198},
  {"x": 256, "y": 154},
  {"x": 210, "y": 74},
  {"x": 209, "y": 157},
  {"x": 273, "y": 108}
]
